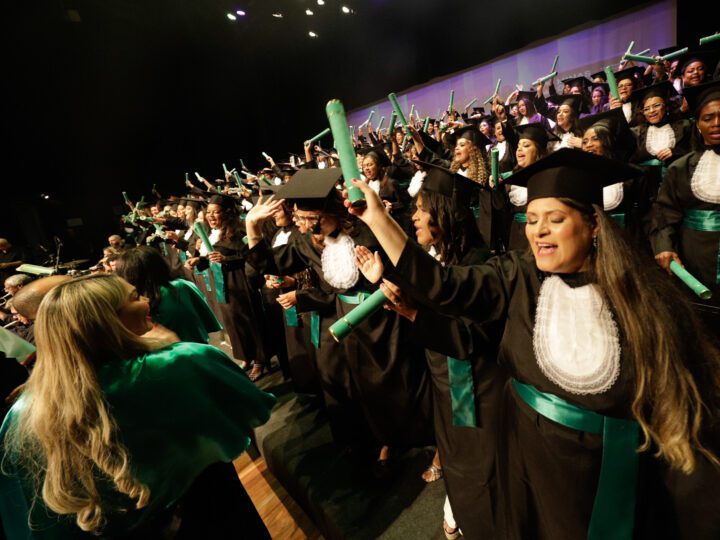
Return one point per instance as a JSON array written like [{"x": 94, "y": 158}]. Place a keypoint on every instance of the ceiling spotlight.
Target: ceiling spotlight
[
  {"x": 321, "y": 2},
  {"x": 240, "y": 12},
  {"x": 312, "y": 34},
  {"x": 278, "y": 15},
  {"x": 308, "y": 12},
  {"x": 345, "y": 9},
  {"x": 231, "y": 17}
]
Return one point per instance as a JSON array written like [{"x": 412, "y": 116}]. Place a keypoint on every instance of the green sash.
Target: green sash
[
  {"x": 315, "y": 328},
  {"x": 613, "y": 515},
  {"x": 462, "y": 392},
  {"x": 707, "y": 221},
  {"x": 520, "y": 217},
  {"x": 291, "y": 317},
  {"x": 206, "y": 277},
  {"x": 217, "y": 273}
]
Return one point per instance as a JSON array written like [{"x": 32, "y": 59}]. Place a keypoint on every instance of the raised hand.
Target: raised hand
[
  {"x": 373, "y": 211},
  {"x": 370, "y": 264},
  {"x": 263, "y": 209},
  {"x": 397, "y": 302}
]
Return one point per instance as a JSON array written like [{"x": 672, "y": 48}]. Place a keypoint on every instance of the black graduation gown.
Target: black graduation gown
[
  {"x": 682, "y": 130},
  {"x": 698, "y": 250},
  {"x": 547, "y": 473},
  {"x": 467, "y": 454},
  {"x": 241, "y": 313},
  {"x": 392, "y": 387},
  {"x": 338, "y": 388}
]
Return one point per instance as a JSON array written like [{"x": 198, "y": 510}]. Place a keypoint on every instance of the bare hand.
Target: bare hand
[
  {"x": 287, "y": 300},
  {"x": 664, "y": 259},
  {"x": 192, "y": 262},
  {"x": 279, "y": 282},
  {"x": 263, "y": 210},
  {"x": 396, "y": 301},
  {"x": 374, "y": 208},
  {"x": 216, "y": 256},
  {"x": 370, "y": 264},
  {"x": 614, "y": 103},
  {"x": 171, "y": 235},
  {"x": 665, "y": 153},
  {"x": 575, "y": 142}
]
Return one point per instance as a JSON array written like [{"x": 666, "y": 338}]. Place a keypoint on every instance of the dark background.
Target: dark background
[{"x": 137, "y": 92}]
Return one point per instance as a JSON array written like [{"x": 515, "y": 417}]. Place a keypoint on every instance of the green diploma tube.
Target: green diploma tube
[
  {"x": 452, "y": 101},
  {"x": 237, "y": 179},
  {"x": 342, "y": 327},
  {"x": 380, "y": 124},
  {"x": 370, "y": 117},
  {"x": 632, "y": 44},
  {"x": 546, "y": 78},
  {"x": 398, "y": 111},
  {"x": 187, "y": 177},
  {"x": 343, "y": 143},
  {"x": 200, "y": 231},
  {"x": 612, "y": 83},
  {"x": 710, "y": 39},
  {"x": 497, "y": 89},
  {"x": 427, "y": 123},
  {"x": 688, "y": 279},
  {"x": 125, "y": 197},
  {"x": 494, "y": 164},
  {"x": 470, "y": 104},
  {"x": 675, "y": 54},
  {"x": 225, "y": 169},
  {"x": 412, "y": 111},
  {"x": 640, "y": 58},
  {"x": 319, "y": 136},
  {"x": 393, "y": 121},
  {"x": 554, "y": 66}
]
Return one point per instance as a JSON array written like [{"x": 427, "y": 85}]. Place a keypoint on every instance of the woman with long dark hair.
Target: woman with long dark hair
[
  {"x": 239, "y": 306},
  {"x": 176, "y": 304},
  {"x": 614, "y": 387}
]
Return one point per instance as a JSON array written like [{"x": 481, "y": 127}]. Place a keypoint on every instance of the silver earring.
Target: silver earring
[{"x": 595, "y": 243}]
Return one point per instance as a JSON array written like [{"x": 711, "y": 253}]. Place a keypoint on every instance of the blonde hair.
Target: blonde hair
[
  {"x": 66, "y": 437},
  {"x": 477, "y": 168}
]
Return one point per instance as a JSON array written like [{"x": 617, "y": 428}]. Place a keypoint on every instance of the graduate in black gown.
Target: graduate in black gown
[
  {"x": 606, "y": 357},
  {"x": 461, "y": 357},
  {"x": 388, "y": 382}
]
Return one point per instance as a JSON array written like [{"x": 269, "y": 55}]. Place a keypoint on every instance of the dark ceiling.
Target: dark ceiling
[{"x": 138, "y": 91}]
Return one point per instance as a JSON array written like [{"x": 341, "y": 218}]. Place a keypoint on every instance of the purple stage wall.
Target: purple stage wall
[{"x": 582, "y": 51}]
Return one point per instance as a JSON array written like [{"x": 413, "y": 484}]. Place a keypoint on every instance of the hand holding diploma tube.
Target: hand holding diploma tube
[
  {"x": 343, "y": 143},
  {"x": 691, "y": 281},
  {"x": 497, "y": 89}
]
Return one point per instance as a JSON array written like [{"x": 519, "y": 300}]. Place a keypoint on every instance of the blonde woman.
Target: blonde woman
[{"x": 114, "y": 427}]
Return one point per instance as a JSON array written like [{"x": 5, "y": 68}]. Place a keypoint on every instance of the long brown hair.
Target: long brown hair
[
  {"x": 676, "y": 369},
  {"x": 66, "y": 437}
]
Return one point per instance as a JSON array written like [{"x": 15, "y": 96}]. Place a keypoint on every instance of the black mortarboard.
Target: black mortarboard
[
  {"x": 378, "y": 152},
  {"x": 225, "y": 201},
  {"x": 194, "y": 203},
  {"x": 668, "y": 50},
  {"x": 604, "y": 86},
  {"x": 707, "y": 56},
  {"x": 446, "y": 182},
  {"x": 478, "y": 110},
  {"x": 615, "y": 122},
  {"x": 573, "y": 174},
  {"x": 582, "y": 81},
  {"x": 634, "y": 73},
  {"x": 662, "y": 89},
  {"x": 599, "y": 75},
  {"x": 574, "y": 101},
  {"x": 313, "y": 189},
  {"x": 526, "y": 94},
  {"x": 699, "y": 95},
  {"x": 472, "y": 134},
  {"x": 536, "y": 132},
  {"x": 431, "y": 143}
]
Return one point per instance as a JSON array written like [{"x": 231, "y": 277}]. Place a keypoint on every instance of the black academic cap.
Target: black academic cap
[
  {"x": 604, "y": 86},
  {"x": 707, "y": 56},
  {"x": 287, "y": 168},
  {"x": 581, "y": 81},
  {"x": 478, "y": 110},
  {"x": 446, "y": 182},
  {"x": 227, "y": 202},
  {"x": 526, "y": 94},
  {"x": 313, "y": 189},
  {"x": 195, "y": 203},
  {"x": 599, "y": 75},
  {"x": 662, "y": 89},
  {"x": 573, "y": 174},
  {"x": 378, "y": 152},
  {"x": 634, "y": 73},
  {"x": 431, "y": 143},
  {"x": 614, "y": 121},
  {"x": 574, "y": 101},
  {"x": 536, "y": 132},
  {"x": 668, "y": 50},
  {"x": 472, "y": 134},
  {"x": 698, "y": 96}
]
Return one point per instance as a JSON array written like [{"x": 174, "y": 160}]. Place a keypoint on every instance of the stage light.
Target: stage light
[
  {"x": 312, "y": 34},
  {"x": 345, "y": 9},
  {"x": 308, "y": 12},
  {"x": 321, "y": 2},
  {"x": 231, "y": 17},
  {"x": 278, "y": 15},
  {"x": 240, "y": 12}
]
